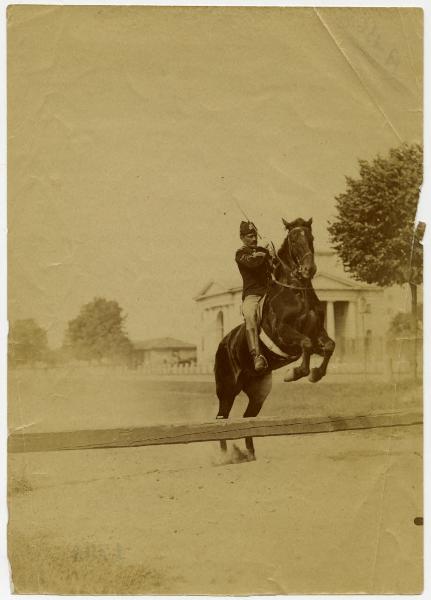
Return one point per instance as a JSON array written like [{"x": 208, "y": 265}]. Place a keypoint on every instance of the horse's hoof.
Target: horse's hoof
[
  {"x": 239, "y": 455},
  {"x": 290, "y": 376},
  {"x": 315, "y": 375}
]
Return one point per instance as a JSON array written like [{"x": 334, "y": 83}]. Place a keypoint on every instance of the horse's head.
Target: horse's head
[{"x": 297, "y": 249}]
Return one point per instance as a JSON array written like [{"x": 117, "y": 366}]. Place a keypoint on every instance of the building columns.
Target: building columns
[
  {"x": 330, "y": 319},
  {"x": 351, "y": 320}
]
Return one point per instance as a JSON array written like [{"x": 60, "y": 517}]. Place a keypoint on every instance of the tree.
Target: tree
[
  {"x": 374, "y": 232},
  {"x": 27, "y": 342},
  {"x": 401, "y": 324},
  {"x": 98, "y": 332}
]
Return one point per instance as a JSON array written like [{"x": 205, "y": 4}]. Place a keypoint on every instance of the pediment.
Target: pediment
[
  {"x": 321, "y": 281},
  {"x": 327, "y": 281},
  {"x": 216, "y": 287}
]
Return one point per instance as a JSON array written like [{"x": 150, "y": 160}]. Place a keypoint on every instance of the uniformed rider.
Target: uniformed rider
[{"x": 255, "y": 264}]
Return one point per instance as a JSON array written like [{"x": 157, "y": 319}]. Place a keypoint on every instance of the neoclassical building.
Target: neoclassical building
[{"x": 356, "y": 313}]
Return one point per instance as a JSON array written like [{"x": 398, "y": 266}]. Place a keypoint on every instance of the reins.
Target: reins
[{"x": 287, "y": 285}]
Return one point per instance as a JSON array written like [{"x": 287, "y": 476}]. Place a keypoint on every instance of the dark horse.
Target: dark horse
[{"x": 291, "y": 327}]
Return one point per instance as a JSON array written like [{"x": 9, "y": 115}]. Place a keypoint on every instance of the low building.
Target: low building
[
  {"x": 164, "y": 351},
  {"x": 357, "y": 314}
]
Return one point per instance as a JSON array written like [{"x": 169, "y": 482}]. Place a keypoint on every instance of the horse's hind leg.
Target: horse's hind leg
[
  {"x": 257, "y": 390},
  {"x": 225, "y": 405},
  {"x": 226, "y": 396},
  {"x": 227, "y": 386}
]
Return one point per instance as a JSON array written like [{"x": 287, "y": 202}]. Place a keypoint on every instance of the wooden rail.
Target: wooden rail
[{"x": 128, "y": 437}]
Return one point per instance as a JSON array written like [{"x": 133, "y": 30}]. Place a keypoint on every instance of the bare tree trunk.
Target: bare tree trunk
[{"x": 414, "y": 329}]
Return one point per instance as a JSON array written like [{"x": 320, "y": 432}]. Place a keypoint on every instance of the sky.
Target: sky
[{"x": 136, "y": 133}]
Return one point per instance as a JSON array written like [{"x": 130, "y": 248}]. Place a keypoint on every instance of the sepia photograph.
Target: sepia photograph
[{"x": 215, "y": 300}]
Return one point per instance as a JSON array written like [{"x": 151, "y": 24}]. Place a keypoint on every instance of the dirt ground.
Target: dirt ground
[{"x": 322, "y": 513}]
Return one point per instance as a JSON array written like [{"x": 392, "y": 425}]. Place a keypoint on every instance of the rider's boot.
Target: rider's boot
[{"x": 259, "y": 361}]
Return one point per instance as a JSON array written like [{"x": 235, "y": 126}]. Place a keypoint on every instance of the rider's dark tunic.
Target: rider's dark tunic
[{"x": 255, "y": 270}]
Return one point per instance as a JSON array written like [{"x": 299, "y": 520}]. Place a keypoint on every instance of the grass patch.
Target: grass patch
[
  {"x": 88, "y": 400},
  {"x": 42, "y": 567},
  {"x": 18, "y": 486}
]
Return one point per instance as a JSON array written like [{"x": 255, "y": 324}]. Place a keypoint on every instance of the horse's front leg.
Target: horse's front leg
[
  {"x": 327, "y": 346},
  {"x": 303, "y": 370}
]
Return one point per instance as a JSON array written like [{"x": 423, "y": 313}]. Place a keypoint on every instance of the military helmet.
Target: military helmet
[{"x": 247, "y": 227}]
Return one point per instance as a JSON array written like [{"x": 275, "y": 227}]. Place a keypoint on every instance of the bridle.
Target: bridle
[{"x": 298, "y": 264}]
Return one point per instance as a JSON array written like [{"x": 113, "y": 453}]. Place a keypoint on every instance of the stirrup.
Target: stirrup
[{"x": 260, "y": 363}]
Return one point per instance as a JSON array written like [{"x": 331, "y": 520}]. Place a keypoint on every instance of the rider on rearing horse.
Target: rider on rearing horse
[{"x": 255, "y": 265}]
